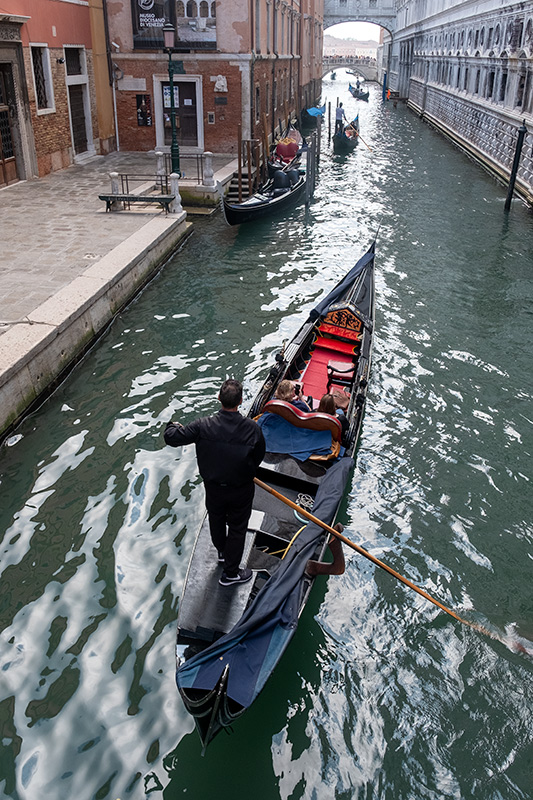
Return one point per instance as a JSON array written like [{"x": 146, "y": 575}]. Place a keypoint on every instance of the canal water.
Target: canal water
[{"x": 380, "y": 696}]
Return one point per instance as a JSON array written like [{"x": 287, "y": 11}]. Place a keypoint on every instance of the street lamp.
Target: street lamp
[{"x": 173, "y": 66}]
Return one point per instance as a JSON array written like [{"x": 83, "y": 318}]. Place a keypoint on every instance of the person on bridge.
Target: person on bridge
[
  {"x": 340, "y": 118},
  {"x": 229, "y": 449}
]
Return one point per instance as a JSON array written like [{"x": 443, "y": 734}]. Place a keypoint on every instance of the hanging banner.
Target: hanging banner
[
  {"x": 149, "y": 17},
  {"x": 195, "y": 24}
]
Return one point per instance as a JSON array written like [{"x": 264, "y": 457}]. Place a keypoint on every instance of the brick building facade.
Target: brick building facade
[
  {"x": 247, "y": 63},
  {"x": 48, "y": 98}
]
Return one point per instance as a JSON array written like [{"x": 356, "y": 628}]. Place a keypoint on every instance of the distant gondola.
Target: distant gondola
[
  {"x": 347, "y": 139},
  {"x": 358, "y": 93},
  {"x": 229, "y": 640}
]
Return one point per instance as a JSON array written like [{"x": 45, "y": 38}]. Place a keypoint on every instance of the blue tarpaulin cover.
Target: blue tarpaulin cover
[
  {"x": 257, "y": 642},
  {"x": 316, "y": 112}
]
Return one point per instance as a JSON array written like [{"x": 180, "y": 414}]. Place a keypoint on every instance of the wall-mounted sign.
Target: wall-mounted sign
[{"x": 166, "y": 96}]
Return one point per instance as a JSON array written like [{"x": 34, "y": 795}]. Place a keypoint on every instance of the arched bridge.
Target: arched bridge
[
  {"x": 380, "y": 12},
  {"x": 365, "y": 67}
]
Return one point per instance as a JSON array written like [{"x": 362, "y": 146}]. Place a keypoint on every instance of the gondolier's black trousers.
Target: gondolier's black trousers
[{"x": 229, "y": 506}]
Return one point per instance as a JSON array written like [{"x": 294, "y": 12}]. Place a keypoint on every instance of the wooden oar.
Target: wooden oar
[
  {"x": 370, "y": 557},
  {"x": 358, "y": 134}
]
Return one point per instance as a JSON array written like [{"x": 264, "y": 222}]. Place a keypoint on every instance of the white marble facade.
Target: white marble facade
[{"x": 467, "y": 67}]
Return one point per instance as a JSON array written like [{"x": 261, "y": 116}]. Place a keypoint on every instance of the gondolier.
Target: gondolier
[
  {"x": 229, "y": 642},
  {"x": 229, "y": 449},
  {"x": 340, "y": 118}
]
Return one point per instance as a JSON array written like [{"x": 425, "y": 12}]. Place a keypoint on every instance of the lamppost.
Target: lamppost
[{"x": 173, "y": 66}]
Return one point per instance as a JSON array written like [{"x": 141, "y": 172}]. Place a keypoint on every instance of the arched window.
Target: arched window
[
  {"x": 213, "y": 10},
  {"x": 204, "y": 8},
  {"x": 180, "y": 9},
  {"x": 529, "y": 34},
  {"x": 191, "y": 9},
  {"x": 520, "y": 91},
  {"x": 503, "y": 86},
  {"x": 518, "y": 33}
]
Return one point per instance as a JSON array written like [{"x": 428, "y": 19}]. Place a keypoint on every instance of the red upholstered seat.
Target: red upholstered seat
[
  {"x": 315, "y": 378},
  {"x": 314, "y": 420},
  {"x": 337, "y": 345},
  {"x": 286, "y": 150},
  {"x": 341, "y": 373}
]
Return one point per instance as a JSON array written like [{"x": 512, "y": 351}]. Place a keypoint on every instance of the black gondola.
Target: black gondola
[
  {"x": 347, "y": 139},
  {"x": 358, "y": 93},
  {"x": 281, "y": 191},
  {"x": 230, "y": 639},
  {"x": 309, "y": 117}
]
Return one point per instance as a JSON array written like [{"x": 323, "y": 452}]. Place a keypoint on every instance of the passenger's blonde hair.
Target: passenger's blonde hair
[{"x": 285, "y": 391}]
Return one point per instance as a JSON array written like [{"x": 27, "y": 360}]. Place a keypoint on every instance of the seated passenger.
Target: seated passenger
[
  {"x": 289, "y": 391},
  {"x": 328, "y": 405}
]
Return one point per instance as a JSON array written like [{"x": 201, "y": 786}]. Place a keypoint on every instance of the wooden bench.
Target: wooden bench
[{"x": 126, "y": 199}]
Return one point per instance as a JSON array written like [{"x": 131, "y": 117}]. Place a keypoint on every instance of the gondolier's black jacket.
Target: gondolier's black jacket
[{"x": 229, "y": 447}]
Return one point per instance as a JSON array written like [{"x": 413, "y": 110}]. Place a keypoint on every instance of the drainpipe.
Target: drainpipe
[
  {"x": 111, "y": 67},
  {"x": 252, "y": 65},
  {"x": 275, "y": 61}
]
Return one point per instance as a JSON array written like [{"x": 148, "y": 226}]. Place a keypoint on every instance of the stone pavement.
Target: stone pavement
[
  {"x": 67, "y": 267},
  {"x": 54, "y": 228}
]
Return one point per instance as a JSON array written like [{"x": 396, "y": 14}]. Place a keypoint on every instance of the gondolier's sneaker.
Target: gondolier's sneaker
[{"x": 243, "y": 576}]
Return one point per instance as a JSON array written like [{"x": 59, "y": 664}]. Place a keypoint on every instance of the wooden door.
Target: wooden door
[
  {"x": 77, "y": 116},
  {"x": 8, "y": 164},
  {"x": 185, "y": 108}
]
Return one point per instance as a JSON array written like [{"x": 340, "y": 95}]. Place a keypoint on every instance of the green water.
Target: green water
[{"x": 380, "y": 695}]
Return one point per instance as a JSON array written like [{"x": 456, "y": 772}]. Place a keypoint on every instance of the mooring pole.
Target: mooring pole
[{"x": 519, "y": 142}]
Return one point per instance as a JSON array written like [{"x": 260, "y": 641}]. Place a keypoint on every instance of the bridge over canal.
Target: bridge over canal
[
  {"x": 380, "y": 12},
  {"x": 365, "y": 67}
]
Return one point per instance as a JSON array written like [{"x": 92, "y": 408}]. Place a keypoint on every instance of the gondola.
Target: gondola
[
  {"x": 309, "y": 116},
  {"x": 347, "y": 139},
  {"x": 333, "y": 76},
  {"x": 284, "y": 188},
  {"x": 229, "y": 640},
  {"x": 358, "y": 93}
]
